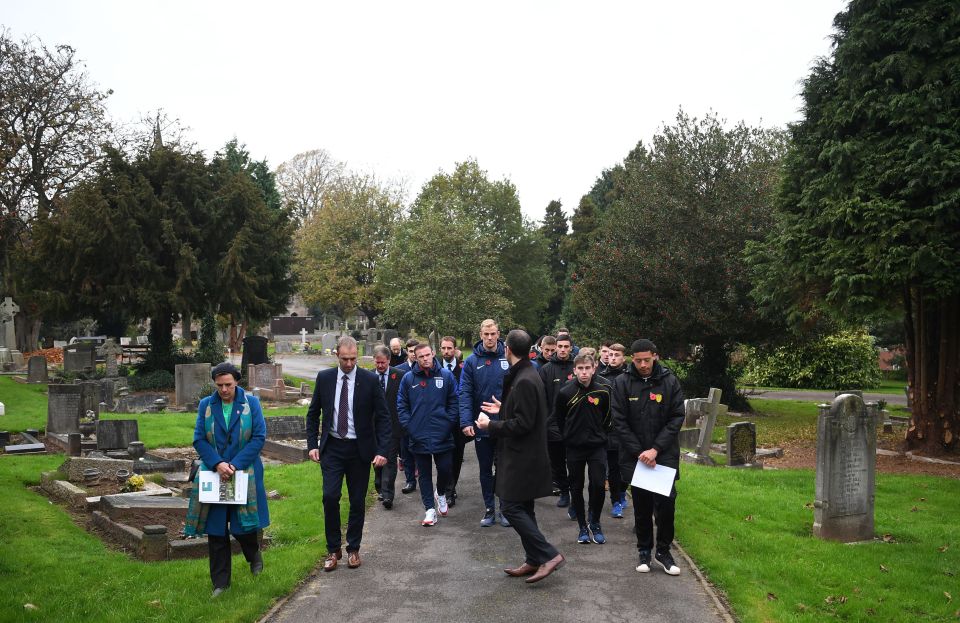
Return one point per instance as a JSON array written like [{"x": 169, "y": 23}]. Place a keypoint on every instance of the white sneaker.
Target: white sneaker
[
  {"x": 442, "y": 507},
  {"x": 430, "y": 518}
]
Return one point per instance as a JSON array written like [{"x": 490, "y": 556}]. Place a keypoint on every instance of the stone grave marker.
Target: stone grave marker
[
  {"x": 846, "y": 468},
  {"x": 190, "y": 379},
  {"x": 5, "y": 358},
  {"x": 78, "y": 357},
  {"x": 63, "y": 409},
  {"x": 294, "y": 426},
  {"x": 283, "y": 347},
  {"x": 8, "y": 335},
  {"x": 741, "y": 443},
  {"x": 37, "y": 370},
  {"x": 116, "y": 434},
  {"x": 328, "y": 342},
  {"x": 387, "y": 335},
  {"x": 110, "y": 351},
  {"x": 706, "y": 429},
  {"x": 16, "y": 360},
  {"x": 254, "y": 351},
  {"x": 264, "y": 375},
  {"x": 89, "y": 397}
]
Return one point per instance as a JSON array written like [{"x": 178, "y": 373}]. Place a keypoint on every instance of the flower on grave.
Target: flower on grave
[{"x": 135, "y": 483}]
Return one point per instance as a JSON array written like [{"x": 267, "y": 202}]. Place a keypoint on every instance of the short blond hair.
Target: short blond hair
[{"x": 489, "y": 322}]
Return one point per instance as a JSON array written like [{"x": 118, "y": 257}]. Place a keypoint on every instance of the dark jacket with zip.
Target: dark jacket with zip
[
  {"x": 609, "y": 376},
  {"x": 554, "y": 375},
  {"x": 585, "y": 412}
]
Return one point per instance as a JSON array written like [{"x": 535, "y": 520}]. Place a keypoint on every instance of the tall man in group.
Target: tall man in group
[
  {"x": 350, "y": 413},
  {"x": 449, "y": 360},
  {"x": 648, "y": 413},
  {"x": 554, "y": 374},
  {"x": 522, "y": 471},
  {"x": 389, "y": 379}
]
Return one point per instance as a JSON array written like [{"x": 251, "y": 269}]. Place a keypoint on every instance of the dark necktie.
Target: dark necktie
[
  {"x": 344, "y": 407},
  {"x": 450, "y": 366},
  {"x": 383, "y": 381}
]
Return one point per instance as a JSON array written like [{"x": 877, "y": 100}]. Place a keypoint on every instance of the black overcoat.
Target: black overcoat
[{"x": 523, "y": 467}]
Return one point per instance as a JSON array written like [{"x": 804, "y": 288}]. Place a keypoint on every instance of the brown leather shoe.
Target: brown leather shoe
[
  {"x": 353, "y": 559},
  {"x": 524, "y": 569},
  {"x": 330, "y": 562},
  {"x": 547, "y": 568}
]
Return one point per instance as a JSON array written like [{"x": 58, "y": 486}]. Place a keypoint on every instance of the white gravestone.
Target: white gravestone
[{"x": 8, "y": 335}]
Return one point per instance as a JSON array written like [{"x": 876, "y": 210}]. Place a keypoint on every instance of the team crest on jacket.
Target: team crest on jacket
[
  {"x": 438, "y": 383},
  {"x": 504, "y": 364}
]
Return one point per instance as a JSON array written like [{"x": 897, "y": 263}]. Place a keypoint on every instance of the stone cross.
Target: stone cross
[
  {"x": 8, "y": 336},
  {"x": 303, "y": 337},
  {"x": 706, "y": 430},
  {"x": 110, "y": 352}
]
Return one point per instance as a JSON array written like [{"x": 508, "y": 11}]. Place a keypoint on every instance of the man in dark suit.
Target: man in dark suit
[
  {"x": 354, "y": 432},
  {"x": 389, "y": 380},
  {"x": 523, "y": 467},
  {"x": 450, "y": 361}
]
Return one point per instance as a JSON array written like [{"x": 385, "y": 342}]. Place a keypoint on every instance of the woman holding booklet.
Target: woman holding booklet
[{"x": 228, "y": 436}]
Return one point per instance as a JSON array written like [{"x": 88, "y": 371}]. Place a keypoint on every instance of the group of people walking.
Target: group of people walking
[{"x": 543, "y": 420}]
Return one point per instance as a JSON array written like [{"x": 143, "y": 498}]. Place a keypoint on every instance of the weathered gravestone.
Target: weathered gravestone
[
  {"x": 264, "y": 375},
  {"x": 741, "y": 443},
  {"x": 846, "y": 467},
  {"x": 387, "y": 335},
  {"x": 283, "y": 347},
  {"x": 37, "y": 370},
  {"x": 110, "y": 351},
  {"x": 63, "y": 409},
  {"x": 328, "y": 341},
  {"x": 254, "y": 351},
  {"x": 16, "y": 360},
  {"x": 292, "y": 426},
  {"x": 116, "y": 434},
  {"x": 90, "y": 397},
  {"x": 8, "y": 335},
  {"x": 190, "y": 379},
  {"x": 5, "y": 358},
  {"x": 79, "y": 357},
  {"x": 707, "y": 422}
]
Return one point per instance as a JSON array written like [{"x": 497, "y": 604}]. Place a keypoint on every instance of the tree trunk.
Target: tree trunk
[
  {"x": 933, "y": 371},
  {"x": 27, "y": 327}
]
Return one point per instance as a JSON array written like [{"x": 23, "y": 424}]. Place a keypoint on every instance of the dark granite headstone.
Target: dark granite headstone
[
  {"x": 89, "y": 397},
  {"x": 388, "y": 334},
  {"x": 116, "y": 434},
  {"x": 78, "y": 357},
  {"x": 63, "y": 409},
  {"x": 846, "y": 468},
  {"x": 286, "y": 426},
  {"x": 741, "y": 443},
  {"x": 37, "y": 370},
  {"x": 254, "y": 351}
]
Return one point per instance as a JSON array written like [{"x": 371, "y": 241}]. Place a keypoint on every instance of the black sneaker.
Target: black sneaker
[
  {"x": 644, "y": 565},
  {"x": 665, "y": 560}
]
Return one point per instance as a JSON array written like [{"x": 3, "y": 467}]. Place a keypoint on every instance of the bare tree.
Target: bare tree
[
  {"x": 52, "y": 127},
  {"x": 305, "y": 179}
]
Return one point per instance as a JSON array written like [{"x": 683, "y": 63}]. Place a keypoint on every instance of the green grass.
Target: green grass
[
  {"x": 26, "y": 405},
  {"x": 70, "y": 575},
  {"x": 750, "y": 532},
  {"x": 886, "y": 386},
  {"x": 778, "y": 421}
]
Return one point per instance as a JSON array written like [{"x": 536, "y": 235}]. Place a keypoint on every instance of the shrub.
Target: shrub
[
  {"x": 843, "y": 360},
  {"x": 154, "y": 380}
]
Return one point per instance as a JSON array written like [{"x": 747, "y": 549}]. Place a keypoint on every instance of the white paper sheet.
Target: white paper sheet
[
  {"x": 211, "y": 493},
  {"x": 658, "y": 478}
]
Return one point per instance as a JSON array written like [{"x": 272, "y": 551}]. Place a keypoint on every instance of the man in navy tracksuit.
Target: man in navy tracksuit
[
  {"x": 427, "y": 409},
  {"x": 481, "y": 381}
]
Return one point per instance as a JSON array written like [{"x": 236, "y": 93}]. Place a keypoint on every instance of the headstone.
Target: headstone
[
  {"x": 284, "y": 347},
  {"x": 5, "y": 358},
  {"x": 37, "y": 370},
  {"x": 388, "y": 335},
  {"x": 741, "y": 443},
  {"x": 294, "y": 426},
  {"x": 116, "y": 434},
  {"x": 303, "y": 337},
  {"x": 264, "y": 375},
  {"x": 190, "y": 379},
  {"x": 846, "y": 468},
  {"x": 59, "y": 343},
  {"x": 328, "y": 342},
  {"x": 855, "y": 392},
  {"x": 254, "y": 351},
  {"x": 90, "y": 397},
  {"x": 16, "y": 359},
  {"x": 110, "y": 351},
  {"x": 63, "y": 409},
  {"x": 79, "y": 357},
  {"x": 706, "y": 429},
  {"x": 8, "y": 335},
  {"x": 124, "y": 341}
]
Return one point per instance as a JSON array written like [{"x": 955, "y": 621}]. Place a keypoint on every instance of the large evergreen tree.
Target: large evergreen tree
[
  {"x": 554, "y": 232},
  {"x": 870, "y": 208}
]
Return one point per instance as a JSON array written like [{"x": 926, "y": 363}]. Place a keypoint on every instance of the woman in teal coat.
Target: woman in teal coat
[{"x": 228, "y": 436}]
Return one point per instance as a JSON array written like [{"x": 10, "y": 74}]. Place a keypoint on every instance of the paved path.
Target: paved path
[
  {"x": 453, "y": 572},
  {"x": 818, "y": 396}
]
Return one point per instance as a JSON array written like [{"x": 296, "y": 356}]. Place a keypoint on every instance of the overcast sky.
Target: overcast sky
[{"x": 547, "y": 94}]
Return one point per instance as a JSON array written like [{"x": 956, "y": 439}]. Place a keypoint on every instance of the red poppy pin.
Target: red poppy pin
[
  {"x": 656, "y": 397},
  {"x": 423, "y": 383},
  {"x": 393, "y": 376},
  {"x": 569, "y": 376},
  {"x": 592, "y": 400},
  {"x": 488, "y": 362}
]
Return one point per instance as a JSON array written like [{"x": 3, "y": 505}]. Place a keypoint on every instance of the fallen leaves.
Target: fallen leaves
[
  {"x": 943, "y": 548},
  {"x": 884, "y": 569},
  {"x": 838, "y": 599},
  {"x": 948, "y": 596},
  {"x": 30, "y": 607},
  {"x": 888, "y": 538},
  {"x": 155, "y": 603},
  {"x": 914, "y": 509},
  {"x": 771, "y": 597},
  {"x": 748, "y": 518}
]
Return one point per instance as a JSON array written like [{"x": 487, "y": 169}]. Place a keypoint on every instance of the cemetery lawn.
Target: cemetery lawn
[
  {"x": 70, "y": 575},
  {"x": 778, "y": 421},
  {"x": 886, "y": 386},
  {"x": 750, "y": 531},
  {"x": 22, "y": 403}
]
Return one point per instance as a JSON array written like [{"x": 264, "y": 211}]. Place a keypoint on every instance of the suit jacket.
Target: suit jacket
[
  {"x": 523, "y": 466},
  {"x": 394, "y": 376},
  {"x": 457, "y": 367},
  {"x": 371, "y": 418}
]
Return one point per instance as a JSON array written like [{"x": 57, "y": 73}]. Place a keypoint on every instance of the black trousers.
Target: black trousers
[
  {"x": 341, "y": 459},
  {"x": 459, "y": 443},
  {"x": 595, "y": 462},
  {"x": 385, "y": 478},
  {"x": 523, "y": 519},
  {"x": 646, "y": 506},
  {"x": 220, "y": 555},
  {"x": 614, "y": 477},
  {"x": 558, "y": 465}
]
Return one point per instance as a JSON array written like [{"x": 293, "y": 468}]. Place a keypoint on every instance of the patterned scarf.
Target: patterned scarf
[{"x": 248, "y": 515}]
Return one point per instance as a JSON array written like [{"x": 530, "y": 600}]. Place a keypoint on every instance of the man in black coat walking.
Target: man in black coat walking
[
  {"x": 523, "y": 472},
  {"x": 389, "y": 378}
]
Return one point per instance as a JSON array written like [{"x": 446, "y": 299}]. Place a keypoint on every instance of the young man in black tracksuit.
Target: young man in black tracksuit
[
  {"x": 648, "y": 413},
  {"x": 618, "y": 496},
  {"x": 584, "y": 407},
  {"x": 554, "y": 374}
]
